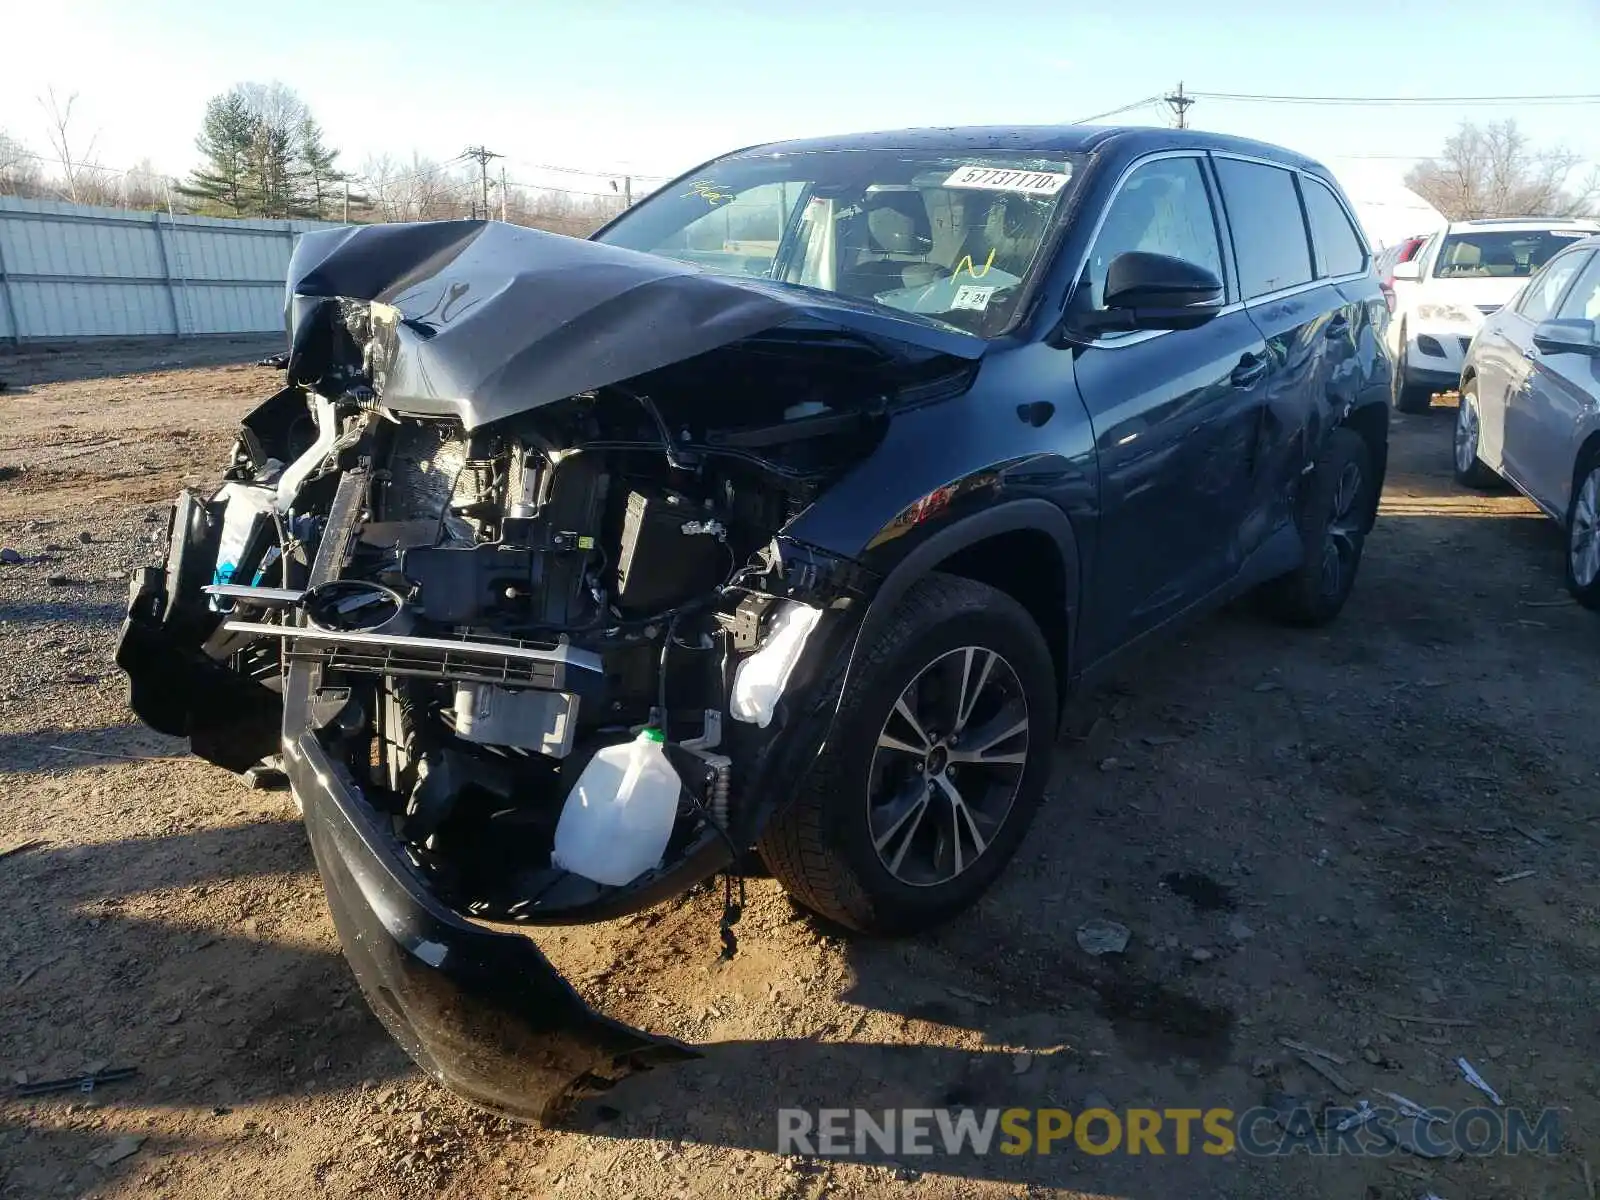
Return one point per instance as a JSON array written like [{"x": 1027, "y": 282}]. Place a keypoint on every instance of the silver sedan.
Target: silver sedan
[{"x": 1530, "y": 405}]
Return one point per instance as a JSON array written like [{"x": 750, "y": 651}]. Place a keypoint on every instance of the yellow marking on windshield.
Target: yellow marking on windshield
[
  {"x": 966, "y": 261},
  {"x": 712, "y": 193}
]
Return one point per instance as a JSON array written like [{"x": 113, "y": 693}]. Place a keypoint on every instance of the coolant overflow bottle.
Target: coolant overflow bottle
[{"x": 617, "y": 819}]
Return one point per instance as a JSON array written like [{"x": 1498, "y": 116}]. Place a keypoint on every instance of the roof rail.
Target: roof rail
[{"x": 1508, "y": 220}]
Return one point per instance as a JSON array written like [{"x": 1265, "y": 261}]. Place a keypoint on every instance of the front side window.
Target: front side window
[
  {"x": 1583, "y": 301},
  {"x": 1269, "y": 233},
  {"x": 953, "y": 237},
  {"x": 1161, "y": 208},
  {"x": 1544, "y": 292},
  {"x": 1499, "y": 254},
  {"x": 1338, "y": 245}
]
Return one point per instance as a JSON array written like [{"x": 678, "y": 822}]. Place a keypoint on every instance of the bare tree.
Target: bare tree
[
  {"x": 76, "y": 168},
  {"x": 19, "y": 171},
  {"x": 1496, "y": 171}
]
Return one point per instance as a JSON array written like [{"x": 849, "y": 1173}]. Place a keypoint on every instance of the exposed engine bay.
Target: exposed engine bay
[{"x": 504, "y": 602}]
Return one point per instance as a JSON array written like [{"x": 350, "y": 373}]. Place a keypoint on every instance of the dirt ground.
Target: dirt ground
[{"x": 1306, "y": 833}]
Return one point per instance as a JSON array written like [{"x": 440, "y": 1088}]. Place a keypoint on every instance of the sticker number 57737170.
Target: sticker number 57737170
[{"x": 1001, "y": 179}]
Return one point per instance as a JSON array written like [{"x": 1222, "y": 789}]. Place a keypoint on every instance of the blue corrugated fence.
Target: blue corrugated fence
[{"x": 71, "y": 271}]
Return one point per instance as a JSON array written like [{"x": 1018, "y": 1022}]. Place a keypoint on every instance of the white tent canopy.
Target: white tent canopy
[{"x": 1387, "y": 209}]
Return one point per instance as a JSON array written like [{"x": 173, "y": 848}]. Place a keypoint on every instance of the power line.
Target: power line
[
  {"x": 1553, "y": 98},
  {"x": 1117, "y": 111}
]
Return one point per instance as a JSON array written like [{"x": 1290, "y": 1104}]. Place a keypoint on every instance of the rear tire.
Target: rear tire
[
  {"x": 1335, "y": 510},
  {"x": 1470, "y": 470},
  {"x": 1408, "y": 397},
  {"x": 1583, "y": 534},
  {"x": 868, "y": 841}
]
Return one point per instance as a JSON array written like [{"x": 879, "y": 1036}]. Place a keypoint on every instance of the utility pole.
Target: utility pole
[
  {"x": 502, "y": 192},
  {"x": 627, "y": 191},
  {"x": 1180, "y": 105},
  {"x": 482, "y": 157},
  {"x": 347, "y": 202}
]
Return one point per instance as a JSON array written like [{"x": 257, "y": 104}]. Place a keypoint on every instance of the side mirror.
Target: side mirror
[
  {"x": 1157, "y": 291},
  {"x": 1408, "y": 272},
  {"x": 1567, "y": 337}
]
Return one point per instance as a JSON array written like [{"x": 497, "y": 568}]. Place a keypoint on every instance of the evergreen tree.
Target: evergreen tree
[
  {"x": 320, "y": 175},
  {"x": 227, "y": 137}
]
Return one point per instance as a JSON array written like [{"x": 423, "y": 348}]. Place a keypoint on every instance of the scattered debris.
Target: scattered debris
[
  {"x": 1098, "y": 936},
  {"x": 125, "y": 757},
  {"x": 1410, "y": 1108},
  {"x": 1514, "y": 876},
  {"x": 1239, "y": 931},
  {"x": 1328, "y": 1073},
  {"x": 1109, "y": 764},
  {"x": 1364, "y": 1112},
  {"x": 1478, "y": 1082},
  {"x": 963, "y": 994},
  {"x": 276, "y": 361},
  {"x": 1263, "y": 1067},
  {"x": 10, "y": 557},
  {"x": 1020, "y": 1063},
  {"x": 96, "y": 1076},
  {"x": 1588, "y": 1177},
  {"x": 1413, "y": 1020},
  {"x": 23, "y": 847},
  {"x": 1161, "y": 739},
  {"x": 1303, "y": 1048},
  {"x": 85, "y": 537},
  {"x": 1267, "y": 685},
  {"x": 123, "y": 1147},
  {"x": 1538, "y": 837},
  {"x": 58, "y": 580},
  {"x": 1200, "y": 954}
]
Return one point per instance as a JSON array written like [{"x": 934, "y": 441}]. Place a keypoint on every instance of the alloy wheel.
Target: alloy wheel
[
  {"x": 1466, "y": 431},
  {"x": 948, "y": 765},
  {"x": 1341, "y": 547},
  {"x": 1583, "y": 539}
]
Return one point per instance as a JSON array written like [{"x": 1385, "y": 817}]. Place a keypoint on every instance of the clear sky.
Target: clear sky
[{"x": 659, "y": 85}]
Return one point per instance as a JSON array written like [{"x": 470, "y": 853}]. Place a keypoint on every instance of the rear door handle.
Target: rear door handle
[{"x": 1249, "y": 371}]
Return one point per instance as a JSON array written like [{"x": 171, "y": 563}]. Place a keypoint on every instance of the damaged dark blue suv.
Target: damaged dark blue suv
[{"x": 812, "y": 485}]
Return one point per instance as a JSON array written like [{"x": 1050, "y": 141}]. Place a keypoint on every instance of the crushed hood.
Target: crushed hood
[{"x": 482, "y": 320}]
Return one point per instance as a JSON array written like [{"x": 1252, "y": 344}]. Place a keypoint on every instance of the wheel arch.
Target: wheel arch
[
  {"x": 1370, "y": 422},
  {"x": 1025, "y": 548},
  {"x": 1588, "y": 451}
]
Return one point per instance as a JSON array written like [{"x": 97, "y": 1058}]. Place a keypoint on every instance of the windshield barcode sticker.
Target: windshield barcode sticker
[{"x": 1001, "y": 179}]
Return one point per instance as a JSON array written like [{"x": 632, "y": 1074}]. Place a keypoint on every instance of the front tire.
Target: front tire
[
  {"x": 1408, "y": 397},
  {"x": 1583, "y": 535},
  {"x": 938, "y": 758},
  {"x": 1470, "y": 470},
  {"x": 1335, "y": 511}
]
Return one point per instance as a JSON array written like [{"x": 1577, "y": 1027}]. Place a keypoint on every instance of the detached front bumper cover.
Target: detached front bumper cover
[{"x": 483, "y": 1012}]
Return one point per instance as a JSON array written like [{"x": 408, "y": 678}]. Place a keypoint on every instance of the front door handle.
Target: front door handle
[{"x": 1249, "y": 371}]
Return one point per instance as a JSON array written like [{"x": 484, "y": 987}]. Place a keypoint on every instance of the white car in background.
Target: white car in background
[{"x": 1466, "y": 271}]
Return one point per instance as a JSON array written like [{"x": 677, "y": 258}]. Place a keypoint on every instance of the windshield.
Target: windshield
[
  {"x": 953, "y": 237},
  {"x": 1504, "y": 255}
]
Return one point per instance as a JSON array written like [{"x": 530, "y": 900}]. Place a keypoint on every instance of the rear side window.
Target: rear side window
[
  {"x": 1161, "y": 208},
  {"x": 1338, "y": 245},
  {"x": 1269, "y": 233},
  {"x": 1544, "y": 290},
  {"x": 1583, "y": 301}
]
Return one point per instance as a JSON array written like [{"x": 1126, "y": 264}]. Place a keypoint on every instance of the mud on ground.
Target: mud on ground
[{"x": 1303, "y": 831}]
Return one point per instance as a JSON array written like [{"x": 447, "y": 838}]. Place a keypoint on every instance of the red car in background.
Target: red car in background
[{"x": 1389, "y": 258}]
